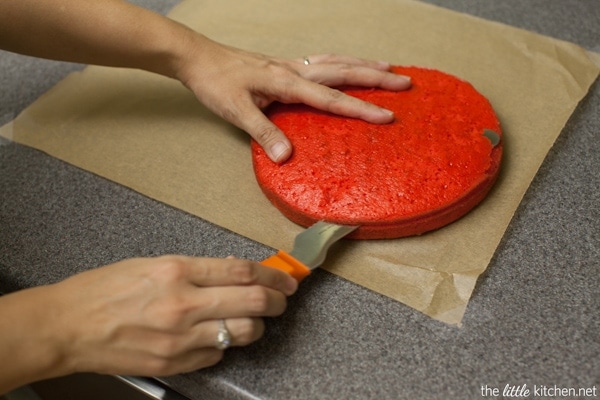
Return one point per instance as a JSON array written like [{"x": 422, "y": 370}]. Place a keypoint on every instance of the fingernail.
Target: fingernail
[
  {"x": 291, "y": 285},
  {"x": 386, "y": 112},
  {"x": 384, "y": 64},
  {"x": 278, "y": 150},
  {"x": 401, "y": 82}
]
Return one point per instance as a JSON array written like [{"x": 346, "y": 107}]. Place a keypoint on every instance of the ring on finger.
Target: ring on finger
[
  {"x": 306, "y": 60},
  {"x": 223, "y": 336}
]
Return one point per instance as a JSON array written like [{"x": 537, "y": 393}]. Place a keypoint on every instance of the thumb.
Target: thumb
[{"x": 269, "y": 137}]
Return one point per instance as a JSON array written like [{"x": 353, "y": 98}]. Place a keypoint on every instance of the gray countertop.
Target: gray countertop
[{"x": 533, "y": 318}]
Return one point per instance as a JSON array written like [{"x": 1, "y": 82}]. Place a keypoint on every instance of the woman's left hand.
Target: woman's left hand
[{"x": 237, "y": 84}]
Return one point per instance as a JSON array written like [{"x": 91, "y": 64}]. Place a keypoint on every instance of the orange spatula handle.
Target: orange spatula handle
[{"x": 284, "y": 262}]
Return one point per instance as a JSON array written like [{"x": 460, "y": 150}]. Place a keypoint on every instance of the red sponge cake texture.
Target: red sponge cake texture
[{"x": 425, "y": 170}]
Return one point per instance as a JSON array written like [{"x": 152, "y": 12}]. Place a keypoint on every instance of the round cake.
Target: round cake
[{"x": 428, "y": 168}]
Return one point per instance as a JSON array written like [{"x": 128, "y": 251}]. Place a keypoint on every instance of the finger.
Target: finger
[
  {"x": 245, "y": 113},
  {"x": 197, "y": 359},
  {"x": 267, "y": 135},
  {"x": 237, "y": 272},
  {"x": 234, "y": 302},
  {"x": 242, "y": 331},
  {"x": 354, "y": 75},
  {"x": 337, "y": 102},
  {"x": 197, "y": 349},
  {"x": 252, "y": 120},
  {"x": 343, "y": 59},
  {"x": 188, "y": 361}
]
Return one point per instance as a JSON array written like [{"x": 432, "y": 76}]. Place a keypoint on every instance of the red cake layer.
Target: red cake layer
[{"x": 423, "y": 171}]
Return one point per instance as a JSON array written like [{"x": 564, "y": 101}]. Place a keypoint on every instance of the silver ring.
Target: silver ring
[
  {"x": 306, "y": 60},
  {"x": 223, "y": 336}
]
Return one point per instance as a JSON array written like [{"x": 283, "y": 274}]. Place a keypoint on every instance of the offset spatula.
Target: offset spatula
[{"x": 310, "y": 249}]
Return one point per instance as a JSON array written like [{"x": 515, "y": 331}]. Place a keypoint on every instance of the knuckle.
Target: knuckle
[
  {"x": 244, "y": 272},
  {"x": 258, "y": 300},
  {"x": 329, "y": 57},
  {"x": 172, "y": 268},
  {"x": 173, "y": 312},
  {"x": 335, "y": 95},
  {"x": 265, "y": 134},
  {"x": 230, "y": 111},
  {"x": 167, "y": 347},
  {"x": 248, "y": 331},
  {"x": 334, "y": 100},
  {"x": 281, "y": 72},
  {"x": 160, "y": 366},
  {"x": 346, "y": 69},
  {"x": 212, "y": 358},
  {"x": 167, "y": 366},
  {"x": 285, "y": 81}
]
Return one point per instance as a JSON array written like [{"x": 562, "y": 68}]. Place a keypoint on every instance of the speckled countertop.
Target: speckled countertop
[{"x": 533, "y": 318}]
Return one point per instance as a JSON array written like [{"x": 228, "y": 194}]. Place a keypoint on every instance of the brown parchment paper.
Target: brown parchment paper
[{"x": 149, "y": 133}]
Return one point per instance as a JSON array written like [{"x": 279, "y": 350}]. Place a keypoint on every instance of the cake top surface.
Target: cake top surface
[{"x": 346, "y": 169}]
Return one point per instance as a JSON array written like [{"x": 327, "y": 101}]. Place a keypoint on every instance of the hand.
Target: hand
[
  {"x": 160, "y": 316},
  {"x": 152, "y": 317},
  {"x": 236, "y": 84},
  {"x": 233, "y": 83}
]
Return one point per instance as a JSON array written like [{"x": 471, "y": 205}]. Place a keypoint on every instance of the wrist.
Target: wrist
[
  {"x": 187, "y": 57},
  {"x": 31, "y": 338},
  {"x": 169, "y": 51}
]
